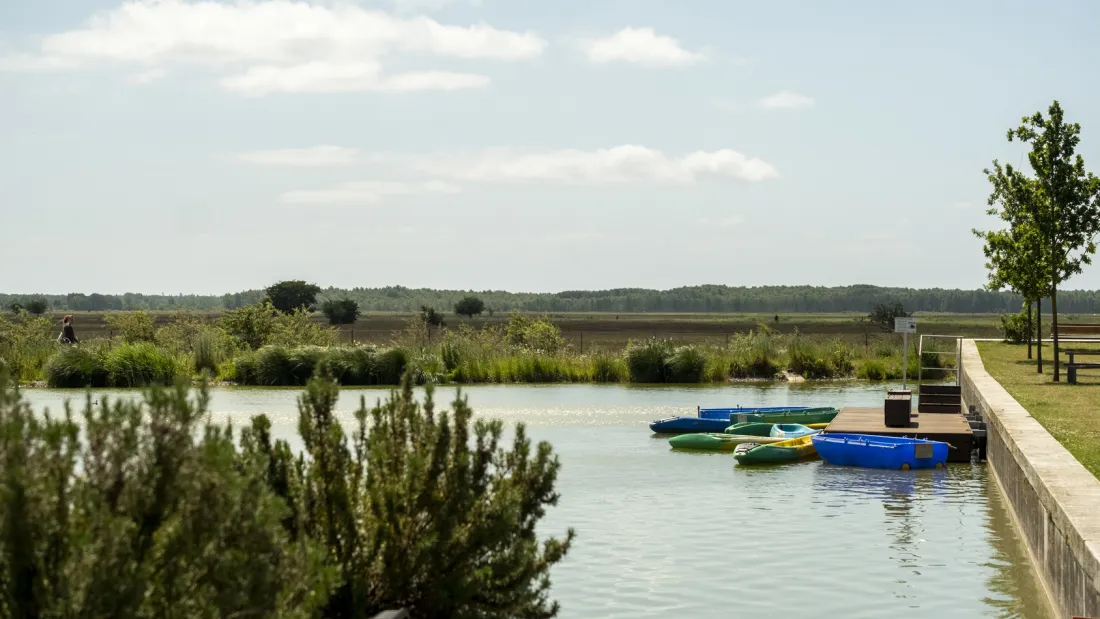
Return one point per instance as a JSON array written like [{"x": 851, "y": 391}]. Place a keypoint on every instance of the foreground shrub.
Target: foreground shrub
[
  {"x": 422, "y": 510},
  {"x": 77, "y": 367},
  {"x": 142, "y": 519}
]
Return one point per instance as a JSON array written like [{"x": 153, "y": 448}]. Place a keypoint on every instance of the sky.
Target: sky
[{"x": 204, "y": 147}]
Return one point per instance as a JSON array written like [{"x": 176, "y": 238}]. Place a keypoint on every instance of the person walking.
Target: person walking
[{"x": 68, "y": 336}]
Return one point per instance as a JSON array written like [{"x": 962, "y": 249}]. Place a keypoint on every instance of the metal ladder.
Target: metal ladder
[{"x": 957, "y": 352}]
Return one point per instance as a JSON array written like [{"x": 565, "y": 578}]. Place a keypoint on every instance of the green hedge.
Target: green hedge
[
  {"x": 284, "y": 366},
  {"x": 128, "y": 365}
]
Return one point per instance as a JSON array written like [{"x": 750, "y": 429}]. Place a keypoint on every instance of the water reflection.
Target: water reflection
[
  {"x": 665, "y": 533},
  {"x": 1011, "y": 579}
]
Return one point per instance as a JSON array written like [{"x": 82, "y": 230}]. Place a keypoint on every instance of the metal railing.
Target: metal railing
[{"x": 957, "y": 352}]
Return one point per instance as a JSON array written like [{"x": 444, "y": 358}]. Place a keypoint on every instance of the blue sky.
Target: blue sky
[{"x": 515, "y": 144}]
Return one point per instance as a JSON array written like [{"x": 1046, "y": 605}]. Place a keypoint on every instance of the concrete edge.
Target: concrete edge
[{"x": 1068, "y": 492}]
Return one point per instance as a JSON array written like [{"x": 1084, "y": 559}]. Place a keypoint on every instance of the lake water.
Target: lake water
[{"x": 664, "y": 533}]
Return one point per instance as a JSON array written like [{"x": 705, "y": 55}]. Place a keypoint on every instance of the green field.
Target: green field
[
  {"x": 609, "y": 331},
  {"x": 1068, "y": 412}
]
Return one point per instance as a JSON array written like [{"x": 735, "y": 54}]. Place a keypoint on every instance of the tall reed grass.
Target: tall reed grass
[
  {"x": 283, "y": 366},
  {"x": 128, "y": 365}
]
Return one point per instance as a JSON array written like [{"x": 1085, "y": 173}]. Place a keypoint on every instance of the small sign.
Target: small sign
[{"x": 905, "y": 324}]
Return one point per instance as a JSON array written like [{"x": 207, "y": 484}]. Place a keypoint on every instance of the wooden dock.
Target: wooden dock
[{"x": 950, "y": 428}]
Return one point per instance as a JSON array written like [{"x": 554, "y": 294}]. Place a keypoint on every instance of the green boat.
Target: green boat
[
  {"x": 717, "y": 442},
  {"x": 804, "y": 417},
  {"x": 791, "y": 450}
]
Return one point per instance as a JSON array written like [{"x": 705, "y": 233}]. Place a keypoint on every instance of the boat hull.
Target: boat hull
[
  {"x": 806, "y": 417},
  {"x": 685, "y": 425},
  {"x": 791, "y": 450},
  {"x": 724, "y": 413},
  {"x": 880, "y": 452},
  {"x": 716, "y": 441},
  {"x": 791, "y": 430}
]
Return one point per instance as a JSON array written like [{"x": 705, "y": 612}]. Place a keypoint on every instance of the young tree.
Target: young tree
[
  {"x": 37, "y": 306},
  {"x": 340, "y": 311},
  {"x": 1067, "y": 217},
  {"x": 431, "y": 317},
  {"x": 423, "y": 510},
  {"x": 469, "y": 306},
  {"x": 1017, "y": 256},
  {"x": 883, "y": 314},
  {"x": 291, "y": 295}
]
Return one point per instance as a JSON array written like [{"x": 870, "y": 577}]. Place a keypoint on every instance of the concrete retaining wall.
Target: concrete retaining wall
[{"x": 1055, "y": 500}]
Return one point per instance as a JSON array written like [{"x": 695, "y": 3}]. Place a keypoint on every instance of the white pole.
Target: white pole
[{"x": 904, "y": 359}]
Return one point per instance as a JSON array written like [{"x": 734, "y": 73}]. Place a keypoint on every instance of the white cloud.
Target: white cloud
[
  {"x": 786, "y": 100},
  {"x": 321, "y": 77},
  {"x": 617, "y": 164},
  {"x": 429, "y": 5},
  {"x": 276, "y": 45},
  {"x": 366, "y": 192},
  {"x": 641, "y": 46},
  {"x": 312, "y": 157}
]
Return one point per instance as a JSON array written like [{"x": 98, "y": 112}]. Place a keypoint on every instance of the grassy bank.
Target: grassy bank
[
  {"x": 255, "y": 346},
  {"x": 1068, "y": 412}
]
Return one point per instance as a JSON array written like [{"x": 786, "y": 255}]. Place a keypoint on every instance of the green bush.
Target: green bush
[
  {"x": 840, "y": 359},
  {"x": 26, "y": 344},
  {"x": 283, "y": 366},
  {"x": 391, "y": 366},
  {"x": 138, "y": 510},
  {"x": 648, "y": 360},
  {"x": 1014, "y": 328},
  {"x": 246, "y": 369},
  {"x": 451, "y": 353},
  {"x": 207, "y": 351},
  {"x": 609, "y": 369},
  {"x": 874, "y": 369},
  {"x": 137, "y": 326},
  {"x": 340, "y": 311},
  {"x": 77, "y": 367},
  {"x": 687, "y": 364},
  {"x": 353, "y": 366},
  {"x": 139, "y": 365},
  {"x": 806, "y": 359}
]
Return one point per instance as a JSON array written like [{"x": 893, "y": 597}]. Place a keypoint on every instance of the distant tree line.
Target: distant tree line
[{"x": 702, "y": 299}]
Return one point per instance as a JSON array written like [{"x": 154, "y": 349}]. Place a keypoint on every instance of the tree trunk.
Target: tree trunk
[
  {"x": 1054, "y": 324},
  {"x": 1029, "y": 330},
  {"x": 1039, "y": 332}
]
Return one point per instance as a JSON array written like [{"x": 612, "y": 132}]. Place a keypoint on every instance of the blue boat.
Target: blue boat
[
  {"x": 791, "y": 430},
  {"x": 724, "y": 413},
  {"x": 713, "y": 419},
  {"x": 880, "y": 452}
]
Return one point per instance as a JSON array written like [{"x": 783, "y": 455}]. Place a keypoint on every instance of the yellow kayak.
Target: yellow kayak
[{"x": 784, "y": 451}]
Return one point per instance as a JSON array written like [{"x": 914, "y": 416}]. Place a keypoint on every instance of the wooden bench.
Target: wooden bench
[{"x": 1077, "y": 332}]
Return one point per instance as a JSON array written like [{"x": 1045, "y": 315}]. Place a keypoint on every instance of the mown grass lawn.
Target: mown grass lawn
[{"x": 1071, "y": 413}]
